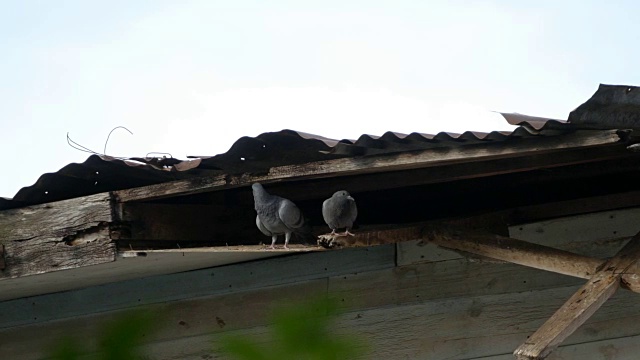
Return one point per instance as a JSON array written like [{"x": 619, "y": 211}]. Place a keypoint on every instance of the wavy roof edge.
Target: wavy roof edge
[
  {"x": 99, "y": 173},
  {"x": 536, "y": 123}
]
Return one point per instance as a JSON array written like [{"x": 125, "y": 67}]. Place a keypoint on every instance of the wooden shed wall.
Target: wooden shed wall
[{"x": 408, "y": 301}]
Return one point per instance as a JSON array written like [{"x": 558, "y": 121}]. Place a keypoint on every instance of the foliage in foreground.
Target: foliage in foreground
[
  {"x": 119, "y": 339},
  {"x": 299, "y": 331}
]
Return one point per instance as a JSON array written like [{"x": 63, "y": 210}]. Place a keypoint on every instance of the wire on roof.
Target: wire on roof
[
  {"x": 108, "y": 136},
  {"x": 77, "y": 146}
]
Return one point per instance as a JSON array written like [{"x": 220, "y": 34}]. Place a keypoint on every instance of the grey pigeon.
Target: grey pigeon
[
  {"x": 276, "y": 215},
  {"x": 340, "y": 211}
]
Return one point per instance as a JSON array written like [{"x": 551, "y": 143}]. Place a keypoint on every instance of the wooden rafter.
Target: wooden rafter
[
  {"x": 379, "y": 164},
  {"x": 604, "y": 279},
  {"x": 600, "y": 287},
  {"x": 527, "y": 254},
  {"x": 604, "y": 276}
]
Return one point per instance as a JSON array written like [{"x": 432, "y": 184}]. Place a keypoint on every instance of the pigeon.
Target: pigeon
[
  {"x": 276, "y": 215},
  {"x": 339, "y": 212}
]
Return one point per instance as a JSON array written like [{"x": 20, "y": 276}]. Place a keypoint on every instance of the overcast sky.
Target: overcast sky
[{"x": 191, "y": 77}]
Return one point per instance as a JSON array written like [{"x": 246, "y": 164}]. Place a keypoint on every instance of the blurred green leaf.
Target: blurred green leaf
[
  {"x": 122, "y": 336},
  {"x": 119, "y": 339},
  {"x": 300, "y": 331},
  {"x": 66, "y": 349},
  {"x": 244, "y": 349}
]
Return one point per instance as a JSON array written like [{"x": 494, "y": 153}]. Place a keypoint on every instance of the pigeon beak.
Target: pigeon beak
[{"x": 350, "y": 198}]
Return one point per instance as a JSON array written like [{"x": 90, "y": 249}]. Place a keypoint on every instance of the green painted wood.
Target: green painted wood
[
  {"x": 192, "y": 284},
  {"x": 599, "y": 234}
]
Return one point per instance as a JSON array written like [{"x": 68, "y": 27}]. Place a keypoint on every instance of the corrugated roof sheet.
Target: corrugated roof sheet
[
  {"x": 537, "y": 123},
  {"x": 100, "y": 173},
  {"x": 611, "y": 107}
]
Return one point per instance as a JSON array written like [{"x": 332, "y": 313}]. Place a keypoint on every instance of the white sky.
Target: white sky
[{"x": 191, "y": 77}]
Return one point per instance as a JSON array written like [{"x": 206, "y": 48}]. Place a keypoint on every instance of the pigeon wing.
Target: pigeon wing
[
  {"x": 326, "y": 212},
  {"x": 261, "y": 227},
  {"x": 353, "y": 211},
  {"x": 290, "y": 215}
]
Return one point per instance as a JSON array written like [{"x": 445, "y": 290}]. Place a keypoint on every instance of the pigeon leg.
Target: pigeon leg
[
  {"x": 287, "y": 237},
  {"x": 273, "y": 242},
  {"x": 347, "y": 233}
]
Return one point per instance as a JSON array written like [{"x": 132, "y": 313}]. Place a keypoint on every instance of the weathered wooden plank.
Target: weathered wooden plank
[
  {"x": 515, "y": 251},
  {"x": 581, "y": 305},
  {"x": 450, "y": 330},
  {"x": 373, "y": 164},
  {"x": 573, "y": 231},
  {"x": 453, "y": 327},
  {"x": 486, "y": 245},
  {"x": 606, "y": 232},
  {"x": 206, "y": 282},
  {"x": 480, "y": 326},
  {"x": 55, "y": 236},
  {"x": 202, "y": 347},
  {"x": 624, "y": 348},
  {"x": 380, "y": 288},
  {"x": 529, "y": 254},
  {"x": 417, "y": 252},
  {"x": 569, "y": 317},
  {"x": 370, "y": 237},
  {"x": 450, "y": 279},
  {"x": 130, "y": 265},
  {"x": 488, "y": 167},
  {"x": 627, "y": 347},
  {"x": 560, "y": 209},
  {"x": 206, "y": 316},
  {"x": 59, "y": 219}
]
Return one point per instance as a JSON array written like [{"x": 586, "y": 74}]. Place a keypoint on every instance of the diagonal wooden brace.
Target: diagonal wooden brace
[
  {"x": 581, "y": 305},
  {"x": 604, "y": 279},
  {"x": 527, "y": 254}
]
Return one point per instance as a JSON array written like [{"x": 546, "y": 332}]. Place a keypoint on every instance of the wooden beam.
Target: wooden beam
[
  {"x": 365, "y": 238},
  {"x": 527, "y": 254},
  {"x": 375, "y": 164},
  {"x": 486, "y": 245},
  {"x": 515, "y": 251},
  {"x": 581, "y": 305},
  {"x": 55, "y": 236},
  {"x": 119, "y": 289},
  {"x": 476, "y": 169}
]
